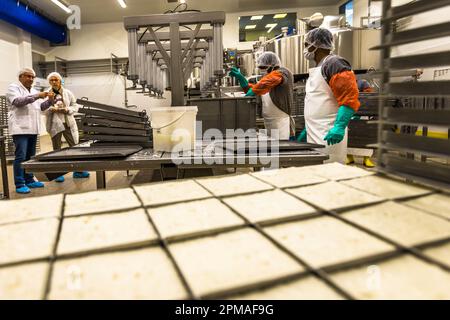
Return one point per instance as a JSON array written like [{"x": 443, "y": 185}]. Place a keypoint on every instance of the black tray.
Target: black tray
[
  {"x": 283, "y": 145},
  {"x": 98, "y": 152}
]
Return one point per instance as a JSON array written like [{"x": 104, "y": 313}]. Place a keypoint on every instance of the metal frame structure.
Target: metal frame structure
[
  {"x": 415, "y": 165},
  {"x": 177, "y": 57}
]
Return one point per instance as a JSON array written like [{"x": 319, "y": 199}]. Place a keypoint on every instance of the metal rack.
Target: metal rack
[{"x": 405, "y": 153}]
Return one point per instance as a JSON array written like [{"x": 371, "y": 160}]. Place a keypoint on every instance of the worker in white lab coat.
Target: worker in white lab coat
[
  {"x": 24, "y": 124},
  {"x": 331, "y": 96},
  {"x": 59, "y": 109},
  {"x": 276, "y": 90}
]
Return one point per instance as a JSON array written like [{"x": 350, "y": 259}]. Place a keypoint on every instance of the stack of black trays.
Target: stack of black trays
[{"x": 109, "y": 125}]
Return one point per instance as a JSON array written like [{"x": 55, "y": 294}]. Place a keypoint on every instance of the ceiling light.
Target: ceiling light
[
  {"x": 280, "y": 16},
  {"x": 251, "y": 26},
  {"x": 62, "y": 6},
  {"x": 256, "y": 17},
  {"x": 271, "y": 26},
  {"x": 122, "y": 3}
]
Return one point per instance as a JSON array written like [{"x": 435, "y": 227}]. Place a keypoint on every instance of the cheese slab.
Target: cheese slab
[
  {"x": 27, "y": 240},
  {"x": 235, "y": 184},
  {"x": 30, "y": 209},
  {"x": 402, "y": 278},
  {"x": 289, "y": 177},
  {"x": 231, "y": 259},
  {"x": 438, "y": 204},
  {"x": 169, "y": 192},
  {"x": 100, "y": 201},
  {"x": 400, "y": 223},
  {"x": 138, "y": 274},
  {"x": 385, "y": 188},
  {"x": 268, "y": 205},
  {"x": 101, "y": 231},
  {"x": 336, "y": 171},
  {"x": 309, "y": 288},
  {"x": 23, "y": 282},
  {"x": 333, "y": 195},
  {"x": 193, "y": 216},
  {"x": 326, "y": 241}
]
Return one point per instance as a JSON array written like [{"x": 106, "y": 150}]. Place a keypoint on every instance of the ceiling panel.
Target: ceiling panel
[{"x": 97, "y": 11}]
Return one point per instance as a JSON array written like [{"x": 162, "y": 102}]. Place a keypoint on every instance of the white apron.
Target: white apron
[
  {"x": 275, "y": 119},
  {"x": 321, "y": 108}
]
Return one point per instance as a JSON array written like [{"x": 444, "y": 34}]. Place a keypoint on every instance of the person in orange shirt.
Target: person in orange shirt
[
  {"x": 276, "y": 91},
  {"x": 331, "y": 96}
]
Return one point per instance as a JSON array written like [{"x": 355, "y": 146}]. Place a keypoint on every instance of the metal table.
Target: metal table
[{"x": 203, "y": 157}]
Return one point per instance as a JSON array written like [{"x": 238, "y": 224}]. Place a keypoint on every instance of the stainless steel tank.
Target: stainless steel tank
[
  {"x": 247, "y": 64},
  {"x": 290, "y": 50}
]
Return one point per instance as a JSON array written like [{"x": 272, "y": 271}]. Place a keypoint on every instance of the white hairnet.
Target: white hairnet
[
  {"x": 26, "y": 70},
  {"x": 268, "y": 59},
  {"x": 54, "y": 74},
  {"x": 320, "y": 38}
]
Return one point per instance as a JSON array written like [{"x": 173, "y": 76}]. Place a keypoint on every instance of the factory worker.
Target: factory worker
[
  {"x": 331, "y": 96},
  {"x": 276, "y": 91},
  {"x": 59, "y": 109},
  {"x": 24, "y": 125}
]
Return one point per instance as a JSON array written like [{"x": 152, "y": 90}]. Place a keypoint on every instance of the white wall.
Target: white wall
[{"x": 9, "y": 53}]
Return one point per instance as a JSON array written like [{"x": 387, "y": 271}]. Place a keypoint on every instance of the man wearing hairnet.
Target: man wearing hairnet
[
  {"x": 331, "y": 96},
  {"x": 276, "y": 91}
]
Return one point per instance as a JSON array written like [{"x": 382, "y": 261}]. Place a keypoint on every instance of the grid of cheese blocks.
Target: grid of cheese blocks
[{"x": 319, "y": 232}]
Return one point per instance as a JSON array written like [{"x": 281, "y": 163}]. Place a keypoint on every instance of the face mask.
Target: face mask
[{"x": 310, "y": 55}]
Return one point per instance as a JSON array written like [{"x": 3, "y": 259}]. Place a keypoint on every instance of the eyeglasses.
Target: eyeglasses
[{"x": 28, "y": 76}]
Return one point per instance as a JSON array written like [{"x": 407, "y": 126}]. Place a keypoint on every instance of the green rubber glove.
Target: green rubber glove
[
  {"x": 250, "y": 93},
  {"x": 239, "y": 76},
  {"x": 337, "y": 133},
  {"x": 302, "y": 136}
]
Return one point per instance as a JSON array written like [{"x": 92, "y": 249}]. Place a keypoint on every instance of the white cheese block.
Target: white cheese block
[
  {"x": 168, "y": 192},
  {"x": 309, "y": 288},
  {"x": 193, "y": 216},
  {"x": 24, "y": 282},
  {"x": 289, "y": 177},
  {"x": 386, "y": 188},
  {"x": 30, "y": 209},
  {"x": 27, "y": 240},
  {"x": 231, "y": 259},
  {"x": 436, "y": 203},
  {"x": 337, "y": 171},
  {"x": 333, "y": 195},
  {"x": 440, "y": 253},
  {"x": 405, "y": 277},
  {"x": 268, "y": 205},
  {"x": 400, "y": 223},
  {"x": 138, "y": 274},
  {"x": 326, "y": 241},
  {"x": 235, "y": 184},
  {"x": 105, "y": 230},
  {"x": 100, "y": 201}
]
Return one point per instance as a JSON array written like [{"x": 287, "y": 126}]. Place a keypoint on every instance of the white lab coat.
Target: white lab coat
[
  {"x": 321, "y": 108},
  {"x": 26, "y": 119},
  {"x": 55, "y": 121},
  {"x": 275, "y": 119}
]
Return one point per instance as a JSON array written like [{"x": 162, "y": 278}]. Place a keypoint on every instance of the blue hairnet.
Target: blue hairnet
[
  {"x": 268, "y": 59},
  {"x": 320, "y": 38}
]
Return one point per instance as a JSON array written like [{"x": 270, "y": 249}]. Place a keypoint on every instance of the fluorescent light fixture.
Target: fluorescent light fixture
[
  {"x": 182, "y": 1},
  {"x": 271, "y": 26},
  {"x": 122, "y": 3},
  {"x": 251, "y": 26},
  {"x": 62, "y": 6},
  {"x": 256, "y": 17},
  {"x": 280, "y": 16}
]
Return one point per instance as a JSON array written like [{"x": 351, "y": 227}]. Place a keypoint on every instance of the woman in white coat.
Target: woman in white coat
[{"x": 59, "y": 110}]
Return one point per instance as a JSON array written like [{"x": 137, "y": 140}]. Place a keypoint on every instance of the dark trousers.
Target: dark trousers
[
  {"x": 56, "y": 140},
  {"x": 25, "y": 145}
]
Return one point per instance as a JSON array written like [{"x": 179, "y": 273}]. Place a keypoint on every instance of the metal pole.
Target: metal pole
[
  {"x": 177, "y": 78},
  {"x": 149, "y": 70},
  {"x": 142, "y": 48},
  {"x": 218, "y": 47},
  {"x": 132, "y": 54}
]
